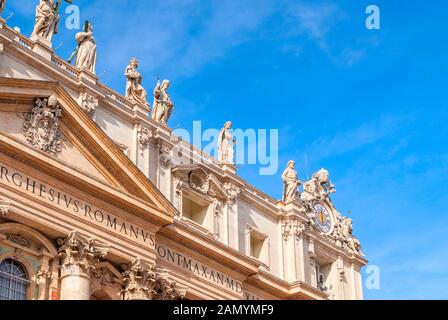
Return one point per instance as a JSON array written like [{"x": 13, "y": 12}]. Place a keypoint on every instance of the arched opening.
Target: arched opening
[
  {"x": 100, "y": 295},
  {"x": 13, "y": 280}
]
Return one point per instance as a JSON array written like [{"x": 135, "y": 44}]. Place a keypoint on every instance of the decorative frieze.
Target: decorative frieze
[{"x": 41, "y": 125}]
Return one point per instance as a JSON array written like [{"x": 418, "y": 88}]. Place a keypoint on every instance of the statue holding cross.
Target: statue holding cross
[{"x": 47, "y": 19}]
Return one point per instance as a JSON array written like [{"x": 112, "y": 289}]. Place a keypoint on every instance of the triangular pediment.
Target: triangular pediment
[{"x": 85, "y": 151}]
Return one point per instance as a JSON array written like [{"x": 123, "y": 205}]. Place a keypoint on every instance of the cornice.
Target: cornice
[{"x": 212, "y": 248}]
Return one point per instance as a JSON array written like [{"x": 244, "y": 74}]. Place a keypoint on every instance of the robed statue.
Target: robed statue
[
  {"x": 47, "y": 19},
  {"x": 226, "y": 144},
  {"x": 134, "y": 89},
  {"x": 85, "y": 52},
  {"x": 163, "y": 106},
  {"x": 291, "y": 183}
]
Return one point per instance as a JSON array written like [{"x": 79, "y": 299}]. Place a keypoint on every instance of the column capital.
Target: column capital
[
  {"x": 137, "y": 279},
  {"x": 79, "y": 254},
  {"x": 143, "y": 281}
]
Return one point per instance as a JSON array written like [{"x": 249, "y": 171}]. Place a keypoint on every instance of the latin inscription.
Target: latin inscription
[{"x": 75, "y": 206}]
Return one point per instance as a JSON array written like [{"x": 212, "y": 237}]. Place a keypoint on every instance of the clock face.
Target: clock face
[{"x": 322, "y": 218}]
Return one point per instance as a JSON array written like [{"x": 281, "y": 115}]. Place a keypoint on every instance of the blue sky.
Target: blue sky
[{"x": 368, "y": 105}]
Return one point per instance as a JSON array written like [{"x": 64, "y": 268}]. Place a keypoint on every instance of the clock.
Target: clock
[{"x": 322, "y": 219}]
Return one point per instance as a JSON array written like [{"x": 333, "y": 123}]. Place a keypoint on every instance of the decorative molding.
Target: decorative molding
[
  {"x": 79, "y": 253},
  {"x": 41, "y": 125}
]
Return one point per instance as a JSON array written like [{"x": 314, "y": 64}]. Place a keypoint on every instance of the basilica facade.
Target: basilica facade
[{"x": 99, "y": 201}]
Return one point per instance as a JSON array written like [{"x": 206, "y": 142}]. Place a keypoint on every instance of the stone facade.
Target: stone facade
[{"x": 100, "y": 201}]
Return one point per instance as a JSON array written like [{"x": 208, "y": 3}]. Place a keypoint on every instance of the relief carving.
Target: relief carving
[
  {"x": 41, "y": 125},
  {"x": 77, "y": 253},
  {"x": 88, "y": 103}
]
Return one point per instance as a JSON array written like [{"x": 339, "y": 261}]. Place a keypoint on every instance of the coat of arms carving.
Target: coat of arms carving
[{"x": 41, "y": 125}]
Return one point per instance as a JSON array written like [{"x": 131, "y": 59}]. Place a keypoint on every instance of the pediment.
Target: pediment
[
  {"x": 83, "y": 150},
  {"x": 201, "y": 180}
]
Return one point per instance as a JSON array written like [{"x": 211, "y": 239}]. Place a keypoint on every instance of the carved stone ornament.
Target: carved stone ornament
[
  {"x": 143, "y": 281},
  {"x": 137, "y": 279},
  {"x": 343, "y": 237},
  {"x": 318, "y": 188},
  {"x": 43, "y": 273},
  {"x": 41, "y": 125},
  {"x": 88, "y": 103},
  {"x": 143, "y": 136},
  {"x": 103, "y": 275},
  {"x": 199, "y": 181},
  {"x": 20, "y": 240},
  {"x": 292, "y": 227},
  {"x": 233, "y": 192},
  {"x": 4, "y": 207},
  {"x": 164, "y": 157},
  {"x": 79, "y": 254}
]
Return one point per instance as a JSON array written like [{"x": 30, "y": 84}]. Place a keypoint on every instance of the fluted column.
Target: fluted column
[{"x": 78, "y": 256}]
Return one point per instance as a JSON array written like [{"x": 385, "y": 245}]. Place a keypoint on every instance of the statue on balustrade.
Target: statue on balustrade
[
  {"x": 47, "y": 19},
  {"x": 226, "y": 144},
  {"x": 134, "y": 89},
  {"x": 163, "y": 106},
  {"x": 85, "y": 52},
  {"x": 291, "y": 183}
]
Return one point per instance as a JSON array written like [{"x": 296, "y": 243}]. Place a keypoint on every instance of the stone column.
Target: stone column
[
  {"x": 143, "y": 281},
  {"x": 78, "y": 256}
]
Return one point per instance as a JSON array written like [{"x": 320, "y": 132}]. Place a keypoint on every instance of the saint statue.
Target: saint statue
[
  {"x": 163, "y": 106},
  {"x": 2, "y": 5},
  {"x": 47, "y": 20},
  {"x": 86, "y": 51},
  {"x": 291, "y": 183},
  {"x": 226, "y": 143},
  {"x": 134, "y": 89}
]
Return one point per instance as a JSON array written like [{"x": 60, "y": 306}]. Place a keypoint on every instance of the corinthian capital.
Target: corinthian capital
[
  {"x": 143, "y": 281},
  {"x": 138, "y": 278},
  {"x": 79, "y": 254},
  {"x": 165, "y": 289}
]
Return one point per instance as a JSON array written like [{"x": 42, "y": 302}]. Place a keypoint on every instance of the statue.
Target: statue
[
  {"x": 319, "y": 187},
  {"x": 346, "y": 234},
  {"x": 47, "y": 19},
  {"x": 2, "y": 5},
  {"x": 291, "y": 182},
  {"x": 163, "y": 106},
  {"x": 134, "y": 89},
  {"x": 86, "y": 50},
  {"x": 226, "y": 143}
]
